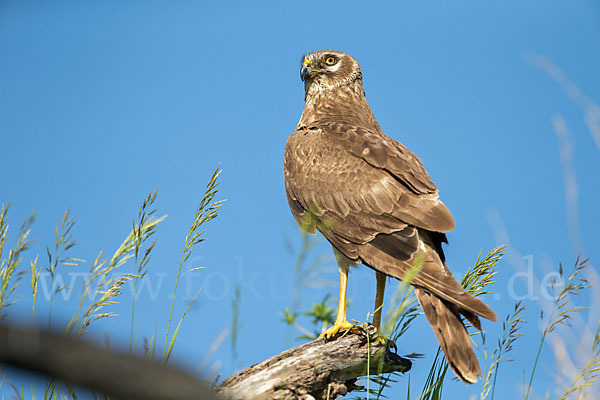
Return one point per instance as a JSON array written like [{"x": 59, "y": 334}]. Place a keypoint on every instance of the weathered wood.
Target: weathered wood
[{"x": 315, "y": 370}]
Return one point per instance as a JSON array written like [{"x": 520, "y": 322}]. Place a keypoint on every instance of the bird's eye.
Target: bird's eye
[{"x": 330, "y": 60}]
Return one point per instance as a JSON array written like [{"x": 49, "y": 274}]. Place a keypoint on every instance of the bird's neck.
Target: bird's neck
[{"x": 346, "y": 104}]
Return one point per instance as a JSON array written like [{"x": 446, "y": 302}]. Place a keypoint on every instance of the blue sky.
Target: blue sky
[{"x": 103, "y": 102}]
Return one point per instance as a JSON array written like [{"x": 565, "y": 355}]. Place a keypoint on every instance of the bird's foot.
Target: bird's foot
[{"x": 343, "y": 326}]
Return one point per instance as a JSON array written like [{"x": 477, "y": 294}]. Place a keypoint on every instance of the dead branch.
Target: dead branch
[
  {"x": 313, "y": 371},
  {"x": 316, "y": 370}
]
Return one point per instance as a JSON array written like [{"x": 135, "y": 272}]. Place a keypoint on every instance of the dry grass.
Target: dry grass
[
  {"x": 103, "y": 285},
  {"x": 511, "y": 331},
  {"x": 9, "y": 273}
]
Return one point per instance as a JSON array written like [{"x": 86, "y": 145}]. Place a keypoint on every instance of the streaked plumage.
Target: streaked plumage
[{"x": 373, "y": 200}]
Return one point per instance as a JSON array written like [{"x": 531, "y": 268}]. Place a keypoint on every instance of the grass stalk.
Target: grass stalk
[
  {"x": 10, "y": 276},
  {"x": 589, "y": 373},
  {"x": 141, "y": 261},
  {"x": 206, "y": 211},
  {"x": 511, "y": 332},
  {"x": 64, "y": 242},
  {"x": 561, "y": 313}
]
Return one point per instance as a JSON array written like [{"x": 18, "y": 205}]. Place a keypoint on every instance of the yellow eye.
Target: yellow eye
[{"x": 330, "y": 60}]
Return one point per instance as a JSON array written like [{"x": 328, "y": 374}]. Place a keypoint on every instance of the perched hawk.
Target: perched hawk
[{"x": 375, "y": 203}]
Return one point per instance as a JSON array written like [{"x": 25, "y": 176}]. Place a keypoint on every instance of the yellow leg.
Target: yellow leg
[
  {"x": 379, "y": 299},
  {"x": 341, "y": 324}
]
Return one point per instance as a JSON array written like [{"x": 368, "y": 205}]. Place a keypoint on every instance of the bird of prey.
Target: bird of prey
[{"x": 375, "y": 203}]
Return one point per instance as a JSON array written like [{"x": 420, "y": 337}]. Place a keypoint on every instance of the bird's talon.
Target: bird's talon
[{"x": 343, "y": 327}]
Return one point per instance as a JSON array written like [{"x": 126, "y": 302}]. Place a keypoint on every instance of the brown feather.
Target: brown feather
[
  {"x": 375, "y": 202},
  {"x": 434, "y": 276},
  {"x": 454, "y": 339}
]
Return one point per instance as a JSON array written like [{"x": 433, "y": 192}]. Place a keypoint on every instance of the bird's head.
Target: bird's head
[{"x": 328, "y": 69}]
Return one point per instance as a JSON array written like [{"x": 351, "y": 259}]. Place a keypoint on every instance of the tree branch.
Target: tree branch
[
  {"x": 313, "y": 371},
  {"x": 316, "y": 370}
]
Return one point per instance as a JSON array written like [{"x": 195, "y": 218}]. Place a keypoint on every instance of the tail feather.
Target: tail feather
[
  {"x": 472, "y": 318},
  {"x": 454, "y": 339},
  {"x": 434, "y": 275},
  {"x": 442, "y": 297}
]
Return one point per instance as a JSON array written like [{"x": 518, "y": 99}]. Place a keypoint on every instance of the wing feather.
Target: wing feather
[
  {"x": 328, "y": 170},
  {"x": 368, "y": 207}
]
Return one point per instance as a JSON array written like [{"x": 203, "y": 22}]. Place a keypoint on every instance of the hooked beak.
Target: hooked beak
[{"x": 305, "y": 71}]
